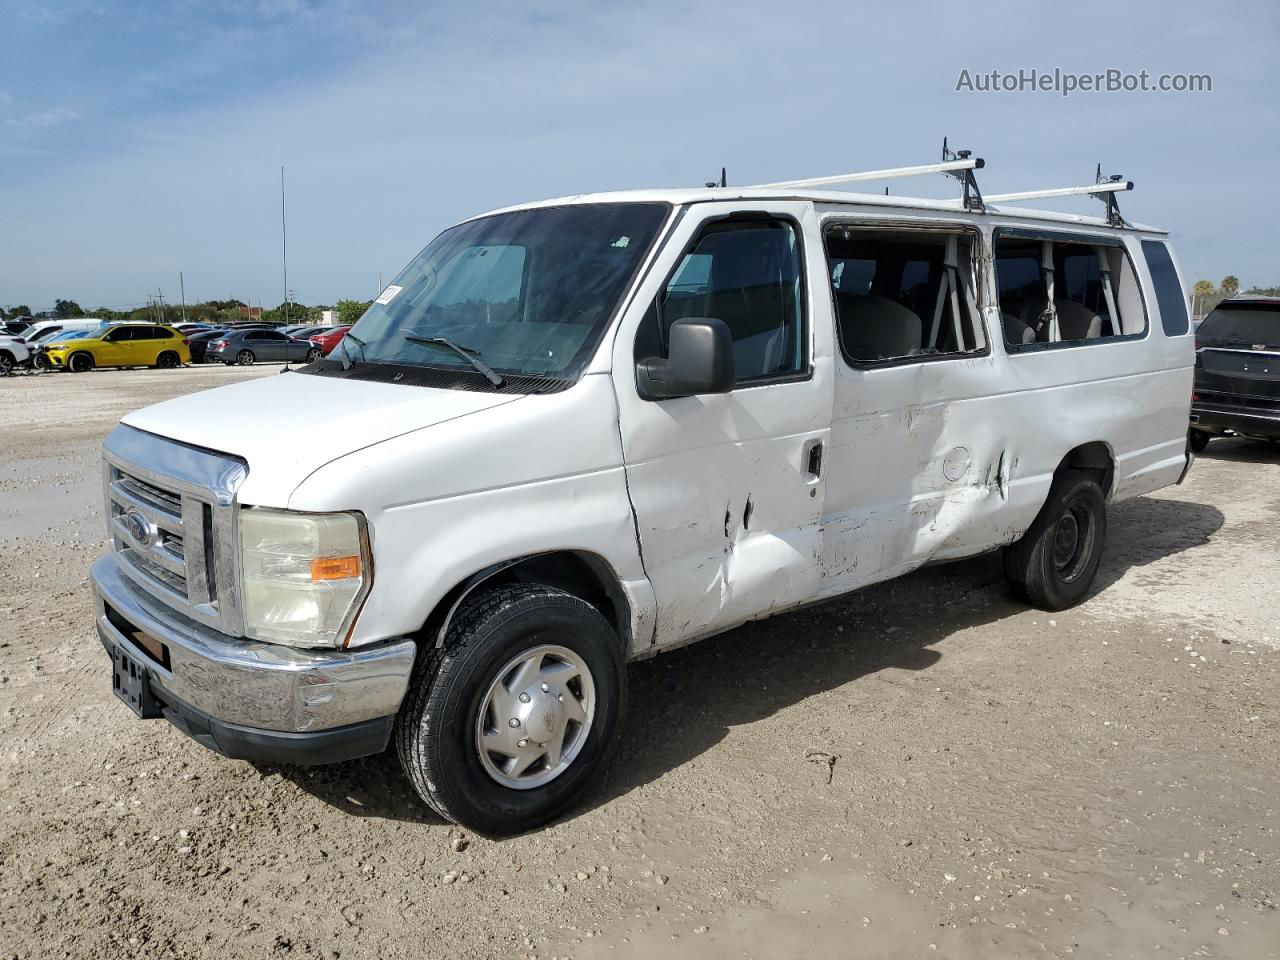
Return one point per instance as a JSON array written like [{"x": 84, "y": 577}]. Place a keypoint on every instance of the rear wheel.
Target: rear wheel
[
  {"x": 168, "y": 360},
  {"x": 1053, "y": 565},
  {"x": 80, "y": 363},
  {"x": 245, "y": 358},
  {"x": 509, "y": 723},
  {"x": 1197, "y": 440}
]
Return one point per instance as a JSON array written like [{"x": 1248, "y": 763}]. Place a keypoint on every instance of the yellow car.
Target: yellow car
[{"x": 121, "y": 345}]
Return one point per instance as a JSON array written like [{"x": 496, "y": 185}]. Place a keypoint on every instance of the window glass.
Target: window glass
[
  {"x": 1066, "y": 290},
  {"x": 1241, "y": 324},
  {"x": 902, "y": 294},
  {"x": 1169, "y": 295},
  {"x": 528, "y": 292},
  {"x": 747, "y": 274},
  {"x": 118, "y": 335}
]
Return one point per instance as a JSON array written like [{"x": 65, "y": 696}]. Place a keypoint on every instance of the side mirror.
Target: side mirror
[{"x": 699, "y": 360}]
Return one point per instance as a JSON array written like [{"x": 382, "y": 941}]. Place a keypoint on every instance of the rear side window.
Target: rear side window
[
  {"x": 903, "y": 294},
  {"x": 1169, "y": 296},
  {"x": 748, "y": 274},
  {"x": 1066, "y": 290}
]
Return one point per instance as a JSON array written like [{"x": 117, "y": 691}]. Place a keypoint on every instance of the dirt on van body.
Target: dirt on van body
[{"x": 925, "y": 768}]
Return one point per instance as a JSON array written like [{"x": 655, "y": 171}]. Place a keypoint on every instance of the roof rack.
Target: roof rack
[
  {"x": 1104, "y": 188},
  {"x": 958, "y": 164}
]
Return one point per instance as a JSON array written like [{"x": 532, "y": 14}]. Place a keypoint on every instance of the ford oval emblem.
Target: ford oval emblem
[{"x": 141, "y": 530}]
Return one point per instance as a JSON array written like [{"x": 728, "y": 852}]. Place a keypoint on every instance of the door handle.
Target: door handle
[{"x": 813, "y": 458}]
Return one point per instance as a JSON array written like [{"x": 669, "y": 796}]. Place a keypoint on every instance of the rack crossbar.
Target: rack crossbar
[
  {"x": 892, "y": 173},
  {"x": 1093, "y": 189}
]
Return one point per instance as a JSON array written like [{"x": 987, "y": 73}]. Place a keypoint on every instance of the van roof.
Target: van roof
[{"x": 680, "y": 196}]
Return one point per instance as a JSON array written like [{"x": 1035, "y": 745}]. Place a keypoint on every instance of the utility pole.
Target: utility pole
[
  {"x": 160, "y": 303},
  {"x": 284, "y": 248},
  {"x": 183, "y": 284}
]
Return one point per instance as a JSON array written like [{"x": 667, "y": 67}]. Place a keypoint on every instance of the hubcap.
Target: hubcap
[{"x": 535, "y": 717}]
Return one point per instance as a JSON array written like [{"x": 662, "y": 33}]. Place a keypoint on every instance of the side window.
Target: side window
[
  {"x": 1169, "y": 296},
  {"x": 1066, "y": 290},
  {"x": 748, "y": 274},
  {"x": 903, "y": 294},
  {"x": 118, "y": 335}
]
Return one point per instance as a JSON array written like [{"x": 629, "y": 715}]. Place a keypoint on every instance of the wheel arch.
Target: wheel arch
[
  {"x": 581, "y": 573},
  {"x": 1095, "y": 456}
]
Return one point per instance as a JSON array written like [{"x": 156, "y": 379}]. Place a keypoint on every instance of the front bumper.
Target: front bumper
[
  {"x": 251, "y": 700},
  {"x": 1221, "y": 419}
]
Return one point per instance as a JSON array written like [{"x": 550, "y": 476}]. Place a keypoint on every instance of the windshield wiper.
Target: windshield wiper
[
  {"x": 468, "y": 354},
  {"x": 346, "y": 352}
]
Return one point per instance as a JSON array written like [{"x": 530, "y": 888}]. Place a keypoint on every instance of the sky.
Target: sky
[{"x": 141, "y": 140}]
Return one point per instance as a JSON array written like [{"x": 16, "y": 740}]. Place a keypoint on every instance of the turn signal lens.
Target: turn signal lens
[{"x": 334, "y": 568}]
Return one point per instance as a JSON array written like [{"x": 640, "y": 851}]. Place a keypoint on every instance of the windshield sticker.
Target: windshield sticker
[{"x": 388, "y": 294}]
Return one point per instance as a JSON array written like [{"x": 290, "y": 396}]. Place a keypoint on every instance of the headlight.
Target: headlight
[{"x": 304, "y": 575}]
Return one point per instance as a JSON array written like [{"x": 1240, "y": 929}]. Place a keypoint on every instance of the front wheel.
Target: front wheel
[
  {"x": 6, "y": 363},
  {"x": 1053, "y": 565},
  {"x": 313, "y": 355},
  {"x": 80, "y": 363},
  {"x": 1197, "y": 440},
  {"x": 510, "y": 722}
]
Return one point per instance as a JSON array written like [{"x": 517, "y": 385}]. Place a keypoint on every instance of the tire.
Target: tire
[
  {"x": 442, "y": 719},
  {"x": 1197, "y": 440},
  {"x": 1053, "y": 565},
  {"x": 41, "y": 363},
  {"x": 245, "y": 358},
  {"x": 6, "y": 363},
  {"x": 80, "y": 362},
  {"x": 168, "y": 360},
  {"x": 313, "y": 355}
]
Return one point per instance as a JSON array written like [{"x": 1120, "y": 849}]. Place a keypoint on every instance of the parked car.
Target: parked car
[
  {"x": 246, "y": 347},
  {"x": 576, "y": 433},
  {"x": 1237, "y": 379},
  {"x": 14, "y": 352},
  {"x": 120, "y": 345},
  {"x": 14, "y": 328},
  {"x": 330, "y": 338},
  {"x": 190, "y": 328},
  {"x": 307, "y": 331},
  {"x": 199, "y": 344}
]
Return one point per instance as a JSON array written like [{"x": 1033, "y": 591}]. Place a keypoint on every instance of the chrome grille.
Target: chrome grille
[{"x": 171, "y": 517}]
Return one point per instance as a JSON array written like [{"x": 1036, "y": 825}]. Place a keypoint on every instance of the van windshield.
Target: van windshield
[
  {"x": 524, "y": 293},
  {"x": 1241, "y": 324}
]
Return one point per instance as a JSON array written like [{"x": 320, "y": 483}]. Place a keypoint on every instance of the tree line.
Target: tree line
[{"x": 209, "y": 311}]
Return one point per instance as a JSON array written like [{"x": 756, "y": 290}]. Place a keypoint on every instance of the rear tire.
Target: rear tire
[
  {"x": 168, "y": 360},
  {"x": 465, "y": 695},
  {"x": 1197, "y": 440},
  {"x": 80, "y": 363},
  {"x": 1053, "y": 565},
  {"x": 245, "y": 358}
]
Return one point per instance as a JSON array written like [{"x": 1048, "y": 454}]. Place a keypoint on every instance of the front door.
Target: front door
[{"x": 728, "y": 489}]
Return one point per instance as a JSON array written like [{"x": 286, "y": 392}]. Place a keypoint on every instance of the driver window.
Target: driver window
[{"x": 746, "y": 273}]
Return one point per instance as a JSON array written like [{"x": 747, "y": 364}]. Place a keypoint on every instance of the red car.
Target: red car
[{"x": 330, "y": 338}]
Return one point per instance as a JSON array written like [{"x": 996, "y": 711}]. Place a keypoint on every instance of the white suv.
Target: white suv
[{"x": 579, "y": 432}]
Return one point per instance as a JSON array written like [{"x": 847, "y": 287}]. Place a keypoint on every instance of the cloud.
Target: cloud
[{"x": 45, "y": 118}]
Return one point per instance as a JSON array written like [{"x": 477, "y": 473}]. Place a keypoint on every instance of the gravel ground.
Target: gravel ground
[{"x": 923, "y": 769}]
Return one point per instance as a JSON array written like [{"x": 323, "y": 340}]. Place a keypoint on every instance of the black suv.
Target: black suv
[{"x": 1237, "y": 385}]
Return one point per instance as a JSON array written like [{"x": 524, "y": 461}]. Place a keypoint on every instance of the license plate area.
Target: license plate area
[{"x": 129, "y": 682}]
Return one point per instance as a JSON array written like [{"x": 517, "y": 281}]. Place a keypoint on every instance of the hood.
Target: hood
[{"x": 288, "y": 426}]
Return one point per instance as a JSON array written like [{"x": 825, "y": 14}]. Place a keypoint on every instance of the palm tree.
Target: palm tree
[
  {"x": 1230, "y": 286},
  {"x": 1200, "y": 295}
]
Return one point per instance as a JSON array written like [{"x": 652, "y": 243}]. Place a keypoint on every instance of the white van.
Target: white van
[{"x": 579, "y": 432}]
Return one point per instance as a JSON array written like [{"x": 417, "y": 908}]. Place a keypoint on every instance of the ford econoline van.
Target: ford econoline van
[{"x": 580, "y": 432}]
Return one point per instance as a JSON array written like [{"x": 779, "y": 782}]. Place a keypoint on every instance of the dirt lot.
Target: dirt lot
[{"x": 924, "y": 769}]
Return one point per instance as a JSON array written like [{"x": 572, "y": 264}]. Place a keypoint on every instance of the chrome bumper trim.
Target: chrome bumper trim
[{"x": 262, "y": 685}]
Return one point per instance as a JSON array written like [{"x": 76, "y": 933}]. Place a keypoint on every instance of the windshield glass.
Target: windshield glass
[
  {"x": 1242, "y": 324},
  {"x": 528, "y": 292}
]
